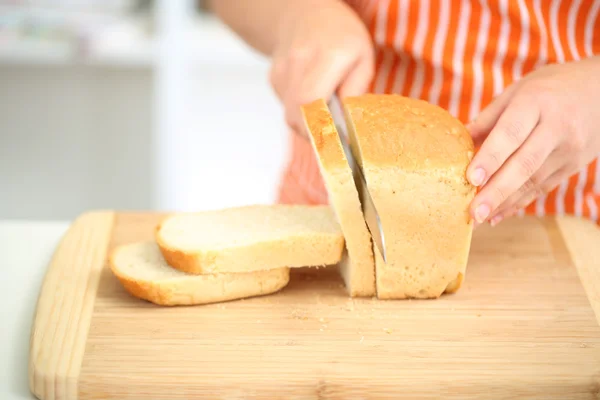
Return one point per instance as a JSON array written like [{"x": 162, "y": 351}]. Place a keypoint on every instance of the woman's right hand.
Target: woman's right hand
[{"x": 322, "y": 47}]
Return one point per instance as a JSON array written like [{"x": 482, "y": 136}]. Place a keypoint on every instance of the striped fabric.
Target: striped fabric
[{"x": 460, "y": 54}]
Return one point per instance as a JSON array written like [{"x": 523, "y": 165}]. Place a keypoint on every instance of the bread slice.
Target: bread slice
[
  {"x": 357, "y": 266},
  {"x": 144, "y": 273},
  {"x": 414, "y": 156},
  {"x": 251, "y": 238}
]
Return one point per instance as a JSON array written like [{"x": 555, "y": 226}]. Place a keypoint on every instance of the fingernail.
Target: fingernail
[
  {"x": 482, "y": 212},
  {"x": 496, "y": 220},
  {"x": 477, "y": 177}
]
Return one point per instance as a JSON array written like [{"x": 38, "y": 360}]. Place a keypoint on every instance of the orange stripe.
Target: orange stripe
[
  {"x": 470, "y": 46},
  {"x": 512, "y": 49},
  {"x": 596, "y": 36},
  {"x": 449, "y": 47},
  {"x": 408, "y": 57},
  {"x": 392, "y": 28},
  {"x": 490, "y": 52},
  {"x": 584, "y": 11},
  {"x": 546, "y": 15},
  {"x": 589, "y": 185},
  {"x": 378, "y": 66},
  {"x": 428, "y": 48},
  {"x": 534, "y": 40},
  {"x": 378, "y": 48}
]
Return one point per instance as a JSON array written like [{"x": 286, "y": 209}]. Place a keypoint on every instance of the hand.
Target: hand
[
  {"x": 539, "y": 132},
  {"x": 322, "y": 48}
]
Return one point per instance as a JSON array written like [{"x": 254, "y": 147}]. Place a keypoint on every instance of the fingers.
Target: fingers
[
  {"x": 534, "y": 186},
  {"x": 546, "y": 185},
  {"x": 307, "y": 76},
  {"x": 510, "y": 131},
  {"x": 487, "y": 119},
  {"x": 358, "y": 80},
  {"x": 515, "y": 173}
]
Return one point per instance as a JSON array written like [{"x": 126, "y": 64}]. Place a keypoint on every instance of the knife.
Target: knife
[{"x": 368, "y": 207}]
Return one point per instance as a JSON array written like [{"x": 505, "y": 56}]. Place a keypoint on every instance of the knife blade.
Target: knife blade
[{"x": 368, "y": 207}]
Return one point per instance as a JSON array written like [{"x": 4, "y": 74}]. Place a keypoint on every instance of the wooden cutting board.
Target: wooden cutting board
[{"x": 523, "y": 326}]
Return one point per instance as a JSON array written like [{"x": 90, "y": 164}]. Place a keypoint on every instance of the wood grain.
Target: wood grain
[
  {"x": 582, "y": 238},
  {"x": 521, "y": 327},
  {"x": 65, "y": 306}
]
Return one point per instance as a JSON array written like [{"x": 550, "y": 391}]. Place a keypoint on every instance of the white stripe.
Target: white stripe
[
  {"x": 399, "y": 42},
  {"x": 381, "y": 23},
  {"x": 380, "y": 35},
  {"x": 560, "y": 56},
  {"x": 501, "y": 52},
  {"x": 543, "y": 57},
  {"x": 571, "y": 29},
  {"x": 589, "y": 28},
  {"x": 523, "y": 42},
  {"x": 482, "y": 38},
  {"x": 438, "y": 52},
  {"x": 540, "y": 206},
  {"x": 597, "y": 178},
  {"x": 579, "y": 195},
  {"x": 457, "y": 59},
  {"x": 419, "y": 43},
  {"x": 560, "y": 197},
  {"x": 386, "y": 66},
  {"x": 591, "y": 203}
]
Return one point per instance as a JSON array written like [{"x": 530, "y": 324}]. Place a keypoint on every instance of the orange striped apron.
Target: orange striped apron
[{"x": 460, "y": 54}]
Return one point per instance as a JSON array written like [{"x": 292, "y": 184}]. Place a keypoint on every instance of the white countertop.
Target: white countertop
[{"x": 26, "y": 248}]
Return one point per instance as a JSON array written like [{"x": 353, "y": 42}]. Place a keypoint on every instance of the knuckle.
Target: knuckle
[
  {"x": 528, "y": 164},
  {"x": 499, "y": 195},
  {"x": 575, "y": 143},
  {"x": 527, "y": 200},
  {"x": 528, "y": 186},
  {"x": 301, "y": 54},
  {"x": 547, "y": 187},
  {"x": 513, "y": 131},
  {"x": 494, "y": 160}
]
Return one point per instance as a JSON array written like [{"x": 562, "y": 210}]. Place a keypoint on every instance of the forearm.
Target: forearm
[{"x": 257, "y": 22}]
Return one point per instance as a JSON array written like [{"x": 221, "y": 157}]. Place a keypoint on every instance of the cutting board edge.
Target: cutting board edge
[
  {"x": 579, "y": 235},
  {"x": 58, "y": 338}
]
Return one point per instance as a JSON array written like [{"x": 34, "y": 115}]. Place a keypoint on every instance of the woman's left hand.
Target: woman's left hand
[{"x": 540, "y": 131}]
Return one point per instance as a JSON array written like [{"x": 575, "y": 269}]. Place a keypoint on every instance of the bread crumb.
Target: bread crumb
[
  {"x": 361, "y": 339},
  {"x": 479, "y": 315},
  {"x": 387, "y": 330},
  {"x": 321, "y": 319}
]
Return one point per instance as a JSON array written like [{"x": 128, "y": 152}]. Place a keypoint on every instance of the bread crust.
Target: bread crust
[
  {"x": 316, "y": 249},
  {"x": 358, "y": 266},
  {"x": 199, "y": 289},
  {"x": 407, "y": 133},
  {"x": 414, "y": 156}
]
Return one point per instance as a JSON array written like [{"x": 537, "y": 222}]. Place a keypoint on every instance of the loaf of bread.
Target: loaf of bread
[
  {"x": 144, "y": 273},
  {"x": 358, "y": 265},
  {"x": 251, "y": 238},
  {"x": 414, "y": 157}
]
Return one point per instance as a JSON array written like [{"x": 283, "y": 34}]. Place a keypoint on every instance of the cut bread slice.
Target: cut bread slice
[
  {"x": 144, "y": 273},
  {"x": 251, "y": 238},
  {"x": 414, "y": 156},
  {"x": 358, "y": 266}
]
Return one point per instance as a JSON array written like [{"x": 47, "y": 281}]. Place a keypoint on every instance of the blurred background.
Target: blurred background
[{"x": 131, "y": 105}]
